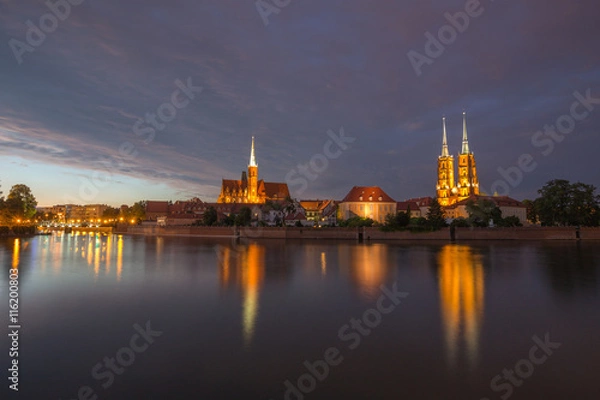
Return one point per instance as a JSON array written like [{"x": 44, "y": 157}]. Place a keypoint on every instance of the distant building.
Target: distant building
[
  {"x": 423, "y": 203},
  {"x": 320, "y": 212},
  {"x": 448, "y": 190},
  {"x": 367, "y": 202},
  {"x": 508, "y": 206},
  {"x": 249, "y": 189},
  {"x": 156, "y": 209},
  {"x": 409, "y": 206}
]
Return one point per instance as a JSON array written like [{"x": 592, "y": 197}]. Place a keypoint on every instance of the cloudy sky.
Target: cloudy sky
[{"x": 77, "y": 102}]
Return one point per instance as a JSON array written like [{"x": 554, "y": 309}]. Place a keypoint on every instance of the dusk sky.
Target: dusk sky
[{"x": 82, "y": 93}]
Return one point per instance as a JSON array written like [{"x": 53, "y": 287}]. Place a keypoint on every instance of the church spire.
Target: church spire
[
  {"x": 252, "y": 156},
  {"x": 445, "y": 152},
  {"x": 465, "y": 142}
]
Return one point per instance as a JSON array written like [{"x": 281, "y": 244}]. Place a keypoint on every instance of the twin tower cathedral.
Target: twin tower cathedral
[{"x": 450, "y": 190}]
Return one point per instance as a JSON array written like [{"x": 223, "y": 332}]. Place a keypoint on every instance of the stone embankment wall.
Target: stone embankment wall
[{"x": 460, "y": 234}]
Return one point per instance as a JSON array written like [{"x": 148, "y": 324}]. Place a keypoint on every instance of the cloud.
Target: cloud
[{"x": 317, "y": 66}]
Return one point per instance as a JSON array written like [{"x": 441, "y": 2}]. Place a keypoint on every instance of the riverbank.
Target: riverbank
[{"x": 459, "y": 234}]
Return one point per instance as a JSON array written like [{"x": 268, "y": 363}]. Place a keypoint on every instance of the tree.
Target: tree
[
  {"x": 111, "y": 213},
  {"x": 510, "y": 221},
  {"x": 482, "y": 211},
  {"x": 20, "y": 203},
  {"x": 137, "y": 211},
  {"x": 396, "y": 221},
  {"x": 564, "y": 204},
  {"x": 532, "y": 215},
  {"x": 357, "y": 222},
  {"x": 210, "y": 216},
  {"x": 289, "y": 205},
  {"x": 435, "y": 215},
  {"x": 244, "y": 217}
]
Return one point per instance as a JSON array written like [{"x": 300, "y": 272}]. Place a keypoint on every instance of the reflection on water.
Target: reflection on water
[
  {"x": 368, "y": 266},
  {"x": 462, "y": 289},
  {"x": 16, "y": 248},
  {"x": 96, "y": 251},
  {"x": 244, "y": 267}
]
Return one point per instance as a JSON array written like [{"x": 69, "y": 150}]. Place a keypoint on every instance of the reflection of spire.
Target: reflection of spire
[
  {"x": 252, "y": 156},
  {"x": 462, "y": 297},
  {"x": 244, "y": 266},
  {"x": 465, "y": 142},
  {"x": 252, "y": 277},
  {"x": 445, "y": 152}
]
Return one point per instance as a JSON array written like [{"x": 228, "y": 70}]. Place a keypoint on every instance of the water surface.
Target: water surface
[{"x": 239, "y": 319}]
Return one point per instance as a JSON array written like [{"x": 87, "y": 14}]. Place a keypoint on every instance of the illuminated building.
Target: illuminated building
[
  {"x": 250, "y": 189},
  {"x": 367, "y": 202},
  {"x": 448, "y": 190}
]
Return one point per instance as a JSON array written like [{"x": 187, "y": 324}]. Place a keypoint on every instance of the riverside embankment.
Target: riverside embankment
[{"x": 459, "y": 234}]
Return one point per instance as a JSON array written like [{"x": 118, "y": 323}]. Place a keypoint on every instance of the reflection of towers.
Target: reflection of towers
[
  {"x": 462, "y": 301},
  {"x": 244, "y": 266}
]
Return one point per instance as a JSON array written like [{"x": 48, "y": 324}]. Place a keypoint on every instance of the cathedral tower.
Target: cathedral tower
[
  {"x": 468, "y": 184},
  {"x": 252, "y": 177},
  {"x": 445, "y": 181}
]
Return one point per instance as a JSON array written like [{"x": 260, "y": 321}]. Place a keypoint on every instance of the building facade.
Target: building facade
[
  {"x": 450, "y": 190},
  {"x": 367, "y": 202},
  {"x": 251, "y": 189}
]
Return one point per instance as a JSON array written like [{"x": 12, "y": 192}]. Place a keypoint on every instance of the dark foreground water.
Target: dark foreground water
[{"x": 123, "y": 317}]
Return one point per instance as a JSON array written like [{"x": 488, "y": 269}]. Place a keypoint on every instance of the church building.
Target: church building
[
  {"x": 250, "y": 189},
  {"x": 449, "y": 190}
]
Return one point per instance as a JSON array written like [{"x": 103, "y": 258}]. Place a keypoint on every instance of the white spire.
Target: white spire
[
  {"x": 445, "y": 152},
  {"x": 465, "y": 142},
  {"x": 252, "y": 156}
]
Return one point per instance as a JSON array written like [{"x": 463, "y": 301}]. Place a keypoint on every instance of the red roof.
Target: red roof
[
  {"x": 367, "y": 194},
  {"x": 157, "y": 206},
  {"x": 296, "y": 217},
  {"x": 404, "y": 205},
  {"x": 422, "y": 201},
  {"x": 276, "y": 190}
]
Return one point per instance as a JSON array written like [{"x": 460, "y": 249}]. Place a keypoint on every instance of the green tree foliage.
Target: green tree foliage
[
  {"x": 20, "y": 204},
  {"x": 435, "y": 215},
  {"x": 532, "y": 215},
  {"x": 111, "y": 213},
  {"x": 510, "y": 221},
  {"x": 136, "y": 212},
  {"x": 482, "y": 212},
  {"x": 398, "y": 221},
  {"x": 244, "y": 217},
  {"x": 460, "y": 222},
  {"x": 565, "y": 204},
  {"x": 210, "y": 216},
  {"x": 356, "y": 222}
]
